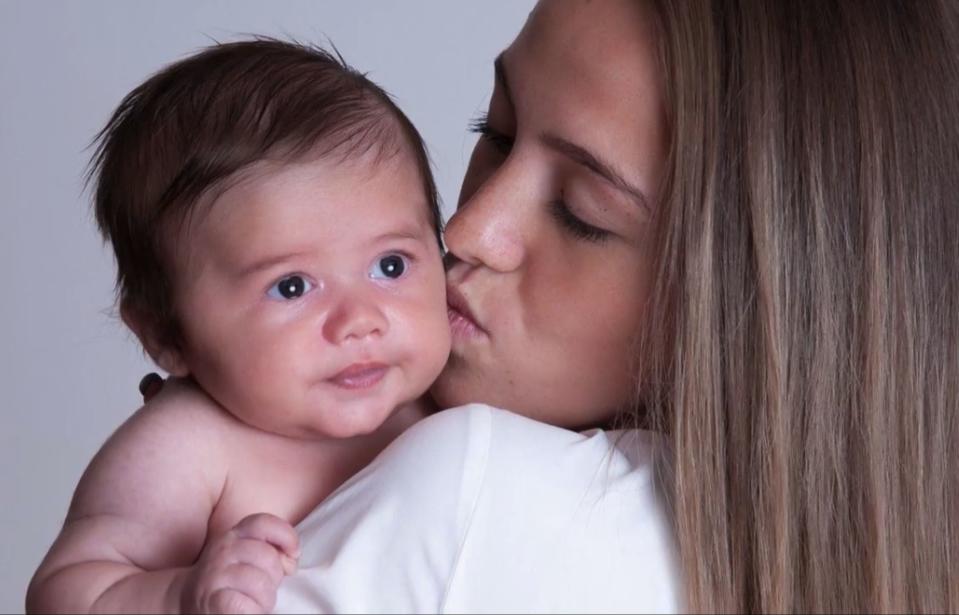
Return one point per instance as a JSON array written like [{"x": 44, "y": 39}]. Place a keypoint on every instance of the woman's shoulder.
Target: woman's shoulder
[
  {"x": 502, "y": 453},
  {"x": 566, "y": 522},
  {"x": 496, "y": 435},
  {"x": 478, "y": 509},
  {"x": 386, "y": 540},
  {"x": 480, "y": 448}
]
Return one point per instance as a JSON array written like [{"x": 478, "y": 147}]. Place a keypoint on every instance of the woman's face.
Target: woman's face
[{"x": 550, "y": 246}]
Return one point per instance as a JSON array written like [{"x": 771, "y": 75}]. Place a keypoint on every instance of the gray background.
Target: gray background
[{"x": 68, "y": 369}]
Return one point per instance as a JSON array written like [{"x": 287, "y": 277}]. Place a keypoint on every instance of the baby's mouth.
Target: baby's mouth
[{"x": 359, "y": 376}]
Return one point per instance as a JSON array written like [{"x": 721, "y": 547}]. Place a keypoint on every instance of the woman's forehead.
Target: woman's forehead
[
  {"x": 595, "y": 30},
  {"x": 600, "y": 57},
  {"x": 588, "y": 73}
]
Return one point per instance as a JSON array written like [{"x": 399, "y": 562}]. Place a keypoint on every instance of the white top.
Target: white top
[{"x": 477, "y": 509}]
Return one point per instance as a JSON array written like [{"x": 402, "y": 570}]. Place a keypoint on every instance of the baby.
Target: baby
[{"x": 276, "y": 231}]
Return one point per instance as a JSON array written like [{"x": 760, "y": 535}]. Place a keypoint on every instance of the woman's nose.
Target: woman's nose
[
  {"x": 489, "y": 229},
  {"x": 355, "y": 317}
]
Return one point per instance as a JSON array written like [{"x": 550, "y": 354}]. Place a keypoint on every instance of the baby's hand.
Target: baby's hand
[{"x": 240, "y": 571}]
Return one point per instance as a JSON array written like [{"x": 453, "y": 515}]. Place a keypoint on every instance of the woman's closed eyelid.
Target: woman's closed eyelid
[{"x": 572, "y": 223}]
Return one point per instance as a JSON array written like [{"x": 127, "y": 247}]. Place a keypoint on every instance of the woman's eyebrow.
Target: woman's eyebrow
[
  {"x": 582, "y": 156},
  {"x": 574, "y": 152}
]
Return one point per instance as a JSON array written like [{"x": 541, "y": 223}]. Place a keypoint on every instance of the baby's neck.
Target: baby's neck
[
  {"x": 403, "y": 417},
  {"x": 350, "y": 455},
  {"x": 289, "y": 477}
]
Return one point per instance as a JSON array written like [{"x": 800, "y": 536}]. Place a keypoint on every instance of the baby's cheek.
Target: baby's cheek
[
  {"x": 428, "y": 344},
  {"x": 441, "y": 341}
]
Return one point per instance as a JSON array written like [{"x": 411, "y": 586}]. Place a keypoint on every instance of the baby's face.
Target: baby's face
[{"x": 313, "y": 297}]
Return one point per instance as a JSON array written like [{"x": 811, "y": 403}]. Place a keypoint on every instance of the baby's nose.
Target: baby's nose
[{"x": 355, "y": 318}]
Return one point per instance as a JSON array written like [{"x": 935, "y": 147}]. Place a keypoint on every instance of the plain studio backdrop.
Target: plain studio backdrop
[{"x": 68, "y": 368}]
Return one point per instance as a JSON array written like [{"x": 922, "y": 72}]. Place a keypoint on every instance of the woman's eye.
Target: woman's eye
[
  {"x": 389, "y": 267},
  {"x": 501, "y": 142},
  {"x": 290, "y": 287},
  {"x": 574, "y": 225}
]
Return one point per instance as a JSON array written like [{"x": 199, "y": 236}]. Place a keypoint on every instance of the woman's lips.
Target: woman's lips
[
  {"x": 462, "y": 322},
  {"x": 360, "y": 376}
]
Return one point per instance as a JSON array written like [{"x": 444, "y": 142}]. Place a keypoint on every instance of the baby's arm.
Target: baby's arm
[{"x": 138, "y": 522}]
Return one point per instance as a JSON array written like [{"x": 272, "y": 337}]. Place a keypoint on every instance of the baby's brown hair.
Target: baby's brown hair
[{"x": 198, "y": 122}]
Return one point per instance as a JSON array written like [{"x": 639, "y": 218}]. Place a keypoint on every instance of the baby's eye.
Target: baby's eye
[
  {"x": 290, "y": 287},
  {"x": 391, "y": 267}
]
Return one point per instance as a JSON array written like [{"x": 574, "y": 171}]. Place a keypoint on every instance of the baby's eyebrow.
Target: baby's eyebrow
[
  {"x": 267, "y": 263},
  {"x": 416, "y": 228},
  {"x": 401, "y": 234}
]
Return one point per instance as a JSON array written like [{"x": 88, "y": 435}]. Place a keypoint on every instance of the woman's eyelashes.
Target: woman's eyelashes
[
  {"x": 290, "y": 287},
  {"x": 574, "y": 225},
  {"x": 501, "y": 142}
]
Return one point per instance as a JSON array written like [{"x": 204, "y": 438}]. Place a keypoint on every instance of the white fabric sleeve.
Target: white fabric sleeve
[
  {"x": 387, "y": 540},
  {"x": 566, "y": 522},
  {"x": 477, "y": 509}
]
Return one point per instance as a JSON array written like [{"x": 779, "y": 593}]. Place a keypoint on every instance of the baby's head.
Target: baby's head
[{"x": 276, "y": 230}]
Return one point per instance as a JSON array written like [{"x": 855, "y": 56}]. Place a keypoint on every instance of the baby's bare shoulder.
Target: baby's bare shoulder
[
  {"x": 180, "y": 416},
  {"x": 150, "y": 490},
  {"x": 174, "y": 442}
]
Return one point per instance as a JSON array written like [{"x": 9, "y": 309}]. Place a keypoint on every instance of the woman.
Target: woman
[{"x": 732, "y": 223}]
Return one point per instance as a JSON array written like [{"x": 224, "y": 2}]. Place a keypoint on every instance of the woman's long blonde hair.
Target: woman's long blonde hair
[{"x": 803, "y": 343}]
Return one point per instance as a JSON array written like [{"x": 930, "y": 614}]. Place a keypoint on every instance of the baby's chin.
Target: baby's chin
[
  {"x": 342, "y": 426},
  {"x": 359, "y": 420}
]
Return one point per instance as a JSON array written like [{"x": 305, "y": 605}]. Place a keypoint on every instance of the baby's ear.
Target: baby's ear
[{"x": 169, "y": 358}]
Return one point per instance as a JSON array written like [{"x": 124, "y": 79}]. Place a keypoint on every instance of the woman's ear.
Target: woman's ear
[{"x": 168, "y": 358}]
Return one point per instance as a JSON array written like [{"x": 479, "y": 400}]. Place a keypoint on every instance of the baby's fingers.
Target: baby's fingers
[
  {"x": 288, "y": 563},
  {"x": 229, "y": 600},
  {"x": 254, "y": 583},
  {"x": 260, "y": 554},
  {"x": 272, "y": 530}
]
